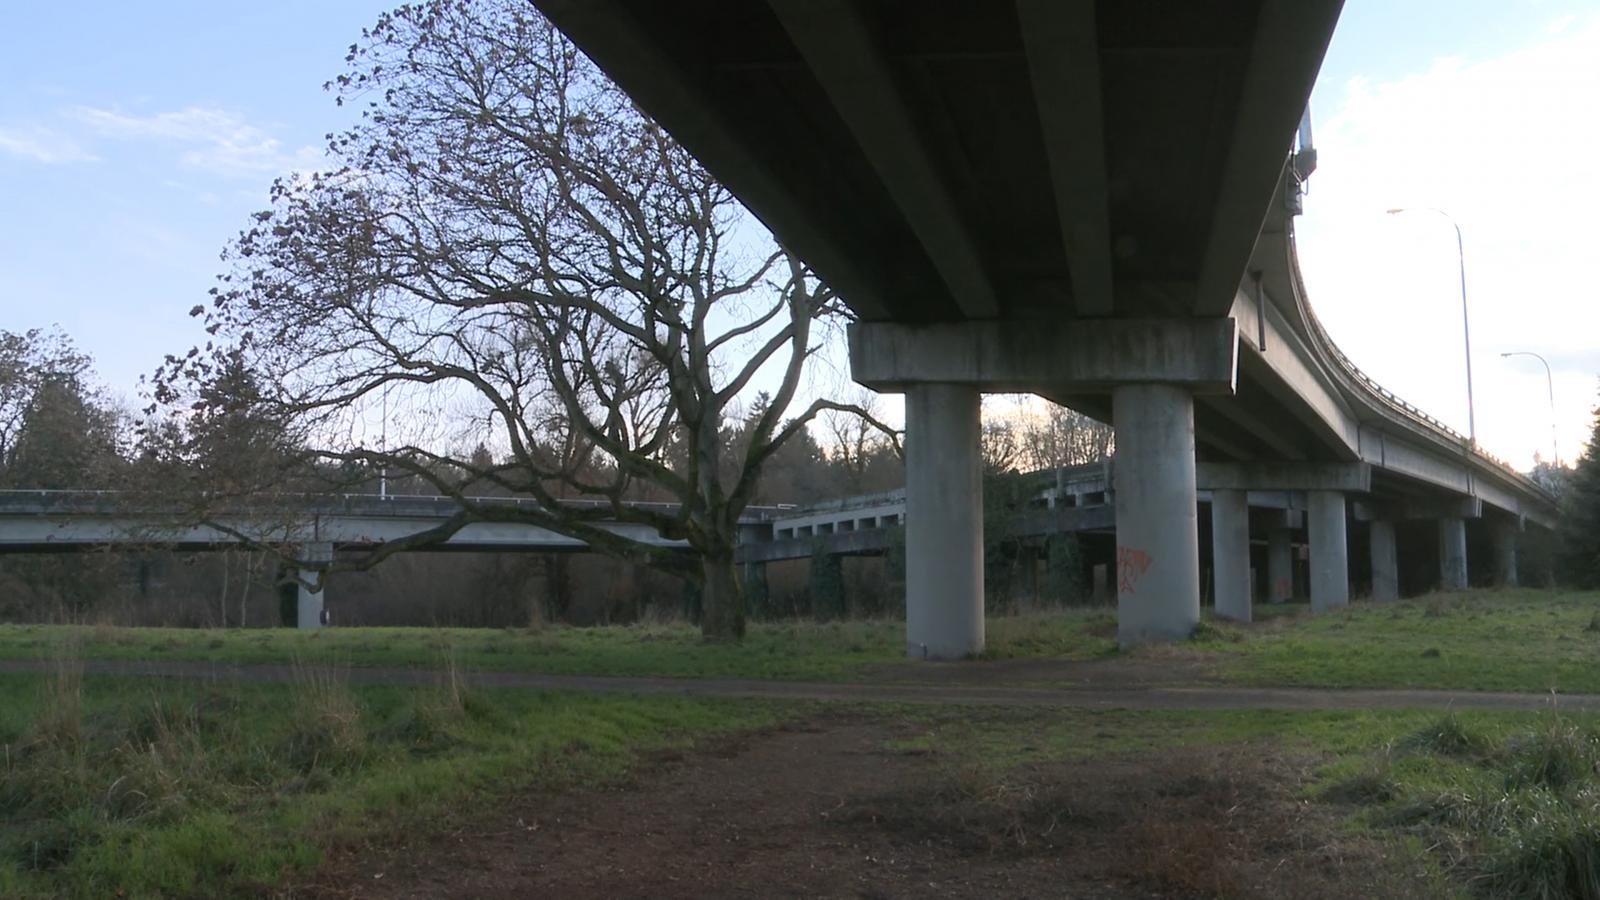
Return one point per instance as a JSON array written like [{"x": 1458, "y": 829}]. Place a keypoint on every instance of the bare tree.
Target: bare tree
[
  {"x": 519, "y": 256},
  {"x": 855, "y": 439},
  {"x": 1056, "y": 437}
]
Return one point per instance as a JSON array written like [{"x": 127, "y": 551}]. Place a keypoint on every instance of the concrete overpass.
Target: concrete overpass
[
  {"x": 1088, "y": 200},
  {"x": 311, "y": 528}
]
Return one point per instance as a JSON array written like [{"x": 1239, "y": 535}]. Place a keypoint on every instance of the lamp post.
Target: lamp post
[
  {"x": 1550, "y": 386},
  {"x": 1466, "y": 330}
]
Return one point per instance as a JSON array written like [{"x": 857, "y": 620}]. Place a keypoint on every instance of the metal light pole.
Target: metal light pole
[
  {"x": 1466, "y": 330},
  {"x": 1550, "y": 386}
]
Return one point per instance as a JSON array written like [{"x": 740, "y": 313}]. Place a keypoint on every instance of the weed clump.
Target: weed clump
[
  {"x": 1552, "y": 851},
  {"x": 326, "y": 731},
  {"x": 60, "y": 720},
  {"x": 1449, "y": 736},
  {"x": 1521, "y": 816},
  {"x": 1556, "y": 757}
]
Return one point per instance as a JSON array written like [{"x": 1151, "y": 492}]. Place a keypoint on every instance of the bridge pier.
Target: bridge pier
[
  {"x": 1230, "y": 554},
  {"x": 944, "y": 522},
  {"x": 1158, "y": 554},
  {"x": 309, "y": 607},
  {"x": 1330, "y": 553},
  {"x": 1452, "y": 554},
  {"x": 1280, "y": 564},
  {"x": 1385, "y": 561},
  {"x": 1505, "y": 553}
]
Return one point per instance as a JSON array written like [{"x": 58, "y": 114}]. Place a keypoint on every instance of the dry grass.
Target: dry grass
[
  {"x": 60, "y": 720},
  {"x": 327, "y": 731}
]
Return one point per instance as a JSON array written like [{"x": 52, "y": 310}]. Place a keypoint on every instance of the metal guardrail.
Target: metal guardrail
[
  {"x": 109, "y": 498},
  {"x": 1408, "y": 409}
]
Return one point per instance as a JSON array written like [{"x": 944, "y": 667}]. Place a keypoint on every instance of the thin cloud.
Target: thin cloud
[
  {"x": 43, "y": 145},
  {"x": 213, "y": 140},
  {"x": 1498, "y": 144}
]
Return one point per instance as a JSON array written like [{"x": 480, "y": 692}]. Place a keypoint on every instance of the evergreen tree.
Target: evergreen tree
[{"x": 1580, "y": 520}]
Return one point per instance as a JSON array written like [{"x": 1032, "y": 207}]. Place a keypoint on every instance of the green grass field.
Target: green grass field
[
  {"x": 133, "y": 787},
  {"x": 780, "y": 650},
  {"x": 145, "y": 787},
  {"x": 1513, "y": 640},
  {"x": 1519, "y": 640}
]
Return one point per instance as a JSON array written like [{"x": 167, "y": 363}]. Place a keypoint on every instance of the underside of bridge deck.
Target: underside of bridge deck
[{"x": 1084, "y": 199}]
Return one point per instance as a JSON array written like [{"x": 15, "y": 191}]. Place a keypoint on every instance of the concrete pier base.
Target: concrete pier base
[
  {"x": 1230, "y": 554},
  {"x": 1280, "y": 565},
  {"x": 1452, "y": 554},
  {"x": 944, "y": 522},
  {"x": 1385, "y": 561},
  {"x": 1505, "y": 554},
  {"x": 309, "y": 607},
  {"x": 1330, "y": 559},
  {"x": 1158, "y": 554}
]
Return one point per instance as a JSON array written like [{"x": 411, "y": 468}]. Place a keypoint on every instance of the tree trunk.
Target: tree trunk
[
  {"x": 722, "y": 601},
  {"x": 222, "y": 601}
]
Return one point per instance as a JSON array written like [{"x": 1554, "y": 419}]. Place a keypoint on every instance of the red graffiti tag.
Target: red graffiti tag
[{"x": 1132, "y": 563}]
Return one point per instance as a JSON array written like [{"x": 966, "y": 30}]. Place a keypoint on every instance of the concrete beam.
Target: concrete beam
[
  {"x": 1288, "y": 371},
  {"x": 1269, "y": 433},
  {"x": 1269, "y": 518},
  {"x": 663, "y": 86},
  {"x": 1285, "y": 54},
  {"x": 1063, "y": 51},
  {"x": 866, "y": 542},
  {"x": 1042, "y": 356},
  {"x": 1417, "y": 508},
  {"x": 843, "y": 56},
  {"x": 1272, "y": 476},
  {"x": 1061, "y": 520}
]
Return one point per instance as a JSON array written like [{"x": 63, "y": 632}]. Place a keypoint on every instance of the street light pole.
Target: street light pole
[
  {"x": 1550, "y": 386},
  {"x": 1466, "y": 328}
]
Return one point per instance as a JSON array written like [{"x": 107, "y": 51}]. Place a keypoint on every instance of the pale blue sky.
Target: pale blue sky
[{"x": 135, "y": 139}]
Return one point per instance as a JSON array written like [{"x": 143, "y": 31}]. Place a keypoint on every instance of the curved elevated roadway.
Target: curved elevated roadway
[{"x": 1091, "y": 200}]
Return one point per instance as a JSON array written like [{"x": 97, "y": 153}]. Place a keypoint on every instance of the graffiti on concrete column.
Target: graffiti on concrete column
[{"x": 1132, "y": 563}]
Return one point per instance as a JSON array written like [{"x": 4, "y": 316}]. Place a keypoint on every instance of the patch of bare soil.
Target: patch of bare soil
[{"x": 829, "y": 810}]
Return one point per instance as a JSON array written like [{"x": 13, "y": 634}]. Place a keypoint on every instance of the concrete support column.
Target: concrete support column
[
  {"x": 944, "y": 522},
  {"x": 1280, "y": 565},
  {"x": 1452, "y": 554},
  {"x": 1385, "y": 561},
  {"x": 1505, "y": 554},
  {"x": 1330, "y": 554},
  {"x": 1230, "y": 554},
  {"x": 1158, "y": 553},
  {"x": 309, "y": 607}
]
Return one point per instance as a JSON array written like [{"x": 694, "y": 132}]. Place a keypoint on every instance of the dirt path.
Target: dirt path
[
  {"x": 831, "y": 808},
  {"x": 1102, "y": 694}
]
